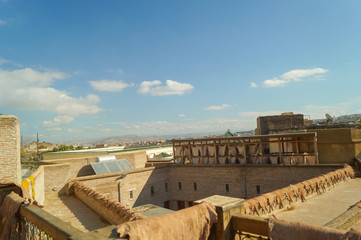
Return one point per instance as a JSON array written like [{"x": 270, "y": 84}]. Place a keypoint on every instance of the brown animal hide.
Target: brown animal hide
[
  {"x": 254, "y": 206},
  {"x": 301, "y": 191},
  {"x": 9, "y": 208},
  {"x": 190, "y": 223},
  {"x": 306, "y": 186},
  {"x": 246, "y": 208},
  {"x": 270, "y": 200},
  {"x": 279, "y": 197},
  {"x": 262, "y": 201},
  {"x": 289, "y": 194},
  {"x": 284, "y": 230}
]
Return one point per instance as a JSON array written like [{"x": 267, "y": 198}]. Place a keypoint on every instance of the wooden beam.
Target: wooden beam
[{"x": 250, "y": 224}]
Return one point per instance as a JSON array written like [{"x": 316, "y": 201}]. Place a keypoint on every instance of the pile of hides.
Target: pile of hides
[{"x": 190, "y": 223}]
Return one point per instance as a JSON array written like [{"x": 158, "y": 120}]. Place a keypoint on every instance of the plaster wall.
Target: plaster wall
[
  {"x": 338, "y": 145},
  {"x": 55, "y": 179}
]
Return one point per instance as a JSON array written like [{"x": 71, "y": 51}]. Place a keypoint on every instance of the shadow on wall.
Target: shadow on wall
[
  {"x": 145, "y": 187},
  {"x": 85, "y": 171}
]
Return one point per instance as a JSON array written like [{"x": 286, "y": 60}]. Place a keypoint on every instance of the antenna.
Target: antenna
[{"x": 329, "y": 118}]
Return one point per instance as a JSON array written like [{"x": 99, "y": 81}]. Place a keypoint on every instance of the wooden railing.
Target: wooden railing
[
  {"x": 35, "y": 223},
  {"x": 250, "y": 227}
]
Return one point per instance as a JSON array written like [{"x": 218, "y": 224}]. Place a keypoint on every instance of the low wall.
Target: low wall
[
  {"x": 280, "y": 199},
  {"x": 112, "y": 211},
  {"x": 338, "y": 145},
  {"x": 35, "y": 185},
  {"x": 55, "y": 179},
  {"x": 132, "y": 188},
  {"x": 47, "y": 181},
  {"x": 198, "y": 182},
  {"x": 81, "y": 166}
]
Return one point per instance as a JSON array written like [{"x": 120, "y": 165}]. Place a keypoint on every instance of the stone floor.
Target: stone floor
[
  {"x": 70, "y": 209},
  {"x": 320, "y": 209}
]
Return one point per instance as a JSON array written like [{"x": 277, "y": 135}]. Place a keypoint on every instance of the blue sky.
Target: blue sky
[{"x": 87, "y": 69}]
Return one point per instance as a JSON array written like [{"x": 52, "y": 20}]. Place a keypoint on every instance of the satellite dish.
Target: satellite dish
[{"x": 329, "y": 118}]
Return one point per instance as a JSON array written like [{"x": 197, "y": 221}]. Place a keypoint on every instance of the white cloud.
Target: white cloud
[
  {"x": 295, "y": 75},
  {"x": 298, "y": 74},
  {"x": 109, "y": 86},
  {"x": 71, "y": 130},
  {"x": 2, "y": 22},
  {"x": 119, "y": 71},
  {"x": 3, "y": 60},
  {"x": 182, "y": 115},
  {"x": 165, "y": 127},
  {"x": 255, "y": 115},
  {"x": 155, "y": 88},
  {"x": 59, "y": 120},
  {"x": 275, "y": 83},
  {"x": 253, "y": 85},
  {"x": 28, "y": 89},
  {"x": 215, "y": 108},
  {"x": 55, "y": 129}
]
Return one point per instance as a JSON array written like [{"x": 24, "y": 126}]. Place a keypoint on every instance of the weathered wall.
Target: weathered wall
[
  {"x": 111, "y": 210},
  {"x": 80, "y": 166},
  {"x": 338, "y": 145},
  {"x": 35, "y": 185},
  {"x": 10, "y": 167},
  {"x": 138, "y": 181},
  {"x": 210, "y": 180},
  {"x": 279, "y": 123},
  {"x": 55, "y": 179}
]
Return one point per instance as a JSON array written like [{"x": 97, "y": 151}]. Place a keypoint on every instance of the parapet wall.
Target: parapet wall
[
  {"x": 340, "y": 145},
  {"x": 80, "y": 166},
  {"x": 132, "y": 188},
  {"x": 111, "y": 210},
  {"x": 299, "y": 192},
  {"x": 10, "y": 167},
  {"x": 189, "y": 183}
]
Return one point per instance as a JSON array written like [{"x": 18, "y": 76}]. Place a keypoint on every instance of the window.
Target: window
[
  {"x": 179, "y": 185},
  {"x": 258, "y": 188},
  {"x": 166, "y": 186},
  {"x": 152, "y": 190},
  {"x": 227, "y": 187},
  {"x": 130, "y": 195},
  {"x": 195, "y": 186}
]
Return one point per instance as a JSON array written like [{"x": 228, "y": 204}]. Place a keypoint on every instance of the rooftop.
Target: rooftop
[{"x": 321, "y": 209}]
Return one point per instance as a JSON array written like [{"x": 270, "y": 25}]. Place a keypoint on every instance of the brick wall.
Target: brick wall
[
  {"x": 10, "y": 167},
  {"x": 210, "y": 180}
]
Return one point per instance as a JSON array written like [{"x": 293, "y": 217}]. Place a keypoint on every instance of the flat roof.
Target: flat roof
[{"x": 323, "y": 208}]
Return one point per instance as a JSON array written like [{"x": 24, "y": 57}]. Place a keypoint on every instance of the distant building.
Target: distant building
[{"x": 279, "y": 123}]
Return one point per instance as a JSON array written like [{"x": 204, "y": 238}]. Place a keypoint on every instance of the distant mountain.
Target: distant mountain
[{"x": 131, "y": 138}]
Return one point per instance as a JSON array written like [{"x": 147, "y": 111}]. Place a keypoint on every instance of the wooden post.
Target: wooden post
[
  {"x": 315, "y": 144},
  {"x": 280, "y": 155}
]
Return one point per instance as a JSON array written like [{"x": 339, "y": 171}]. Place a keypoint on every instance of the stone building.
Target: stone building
[{"x": 283, "y": 123}]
